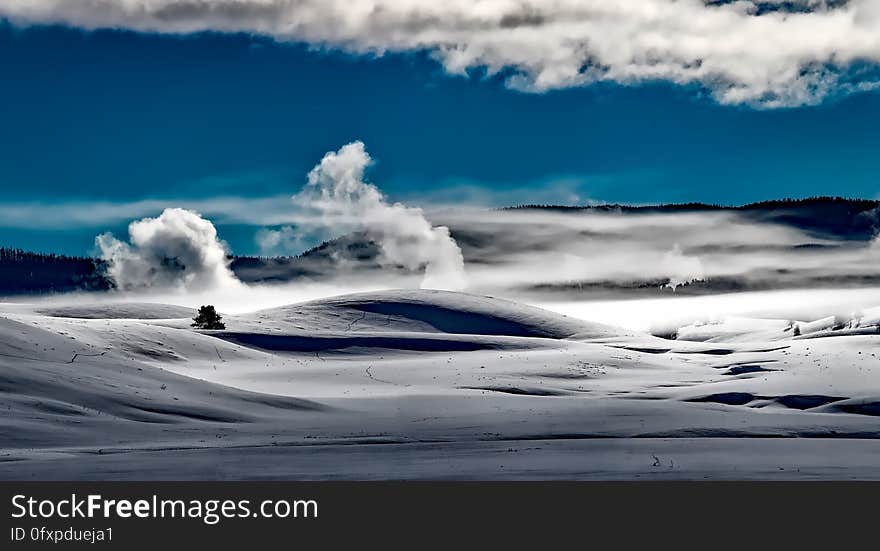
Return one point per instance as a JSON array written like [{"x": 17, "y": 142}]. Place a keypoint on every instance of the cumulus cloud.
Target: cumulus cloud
[
  {"x": 768, "y": 52},
  {"x": 177, "y": 250},
  {"x": 343, "y": 201}
]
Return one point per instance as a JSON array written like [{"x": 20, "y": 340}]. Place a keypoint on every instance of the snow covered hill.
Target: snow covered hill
[{"x": 425, "y": 384}]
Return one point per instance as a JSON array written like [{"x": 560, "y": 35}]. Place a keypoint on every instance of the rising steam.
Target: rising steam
[
  {"x": 181, "y": 250},
  {"x": 681, "y": 269},
  {"x": 177, "y": 250},
  {"x": 343, "y": 201}
]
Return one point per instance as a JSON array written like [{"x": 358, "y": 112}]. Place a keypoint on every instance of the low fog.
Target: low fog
[{"x": 568, "y": 251}]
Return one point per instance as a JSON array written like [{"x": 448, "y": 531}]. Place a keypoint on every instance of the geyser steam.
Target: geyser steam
[
  {"x": 343, "y": 201},
  {"x": 179, "y": 249},
  {"x": 681, "y": 269}
]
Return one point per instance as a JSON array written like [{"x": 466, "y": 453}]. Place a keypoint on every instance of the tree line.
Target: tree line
[{"x": 29, "y": 272}]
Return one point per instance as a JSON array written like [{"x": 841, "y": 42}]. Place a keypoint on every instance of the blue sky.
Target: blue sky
[{"x": 121, "y": 117}]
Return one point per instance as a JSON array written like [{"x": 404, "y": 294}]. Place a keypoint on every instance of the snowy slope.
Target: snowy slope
[
  {"x": 431, "y": 311},
  {"x": 120, "y": 390}
]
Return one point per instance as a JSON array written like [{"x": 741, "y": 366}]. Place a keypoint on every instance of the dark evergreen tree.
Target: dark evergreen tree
[{"x": 208, "y": 318}]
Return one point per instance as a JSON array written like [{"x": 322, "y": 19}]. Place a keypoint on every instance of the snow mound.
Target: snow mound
[
  {"x": 126, "y": 310},
  {"x": 432, "y": 311}
]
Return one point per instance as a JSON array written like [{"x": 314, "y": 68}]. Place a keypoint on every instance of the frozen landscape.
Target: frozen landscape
[
  {"x": 428, "y": 384},
  {"x": 606, "y": 342},
  {"x": 487, "y": 240}
]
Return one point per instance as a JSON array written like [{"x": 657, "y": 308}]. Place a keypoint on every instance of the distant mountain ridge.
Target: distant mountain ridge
[
  {"x": 823, "y": 200},
  {"x": 841, "y": 217}
]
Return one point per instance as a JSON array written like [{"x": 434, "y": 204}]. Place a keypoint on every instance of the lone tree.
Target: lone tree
[{"x": 208, "y": 318}]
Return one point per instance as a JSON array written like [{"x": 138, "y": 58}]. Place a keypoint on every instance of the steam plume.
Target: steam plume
[
  {"x": 179, "y": 249},
  {"x": 337, "y": 192}
]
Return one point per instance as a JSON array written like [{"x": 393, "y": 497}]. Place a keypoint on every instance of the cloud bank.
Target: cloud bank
[
  {"x": 343, "y": 202},
  {"x": 177, "y": 250},
  {"x": 769, "y": 53},
  {"x": 274, "y": 210}
]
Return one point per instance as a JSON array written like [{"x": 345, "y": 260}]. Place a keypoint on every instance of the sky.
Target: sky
[{"x": 101, "y": 125}]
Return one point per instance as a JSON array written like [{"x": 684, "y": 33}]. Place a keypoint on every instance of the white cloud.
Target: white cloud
[
  {"x": 275, "y": 210},
  {"x": 177, "y": 250},
  {"x": 88, "y": 214},
  {"x": 455, "y": 194},
  {"x": 741, "y": 50}
]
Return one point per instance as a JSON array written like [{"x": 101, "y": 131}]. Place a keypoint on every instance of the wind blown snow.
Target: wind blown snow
[
  {"x": 765, "y": 53},
  {"x": 177, "y": 250},
  {"x": 343, "y": 202}
]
